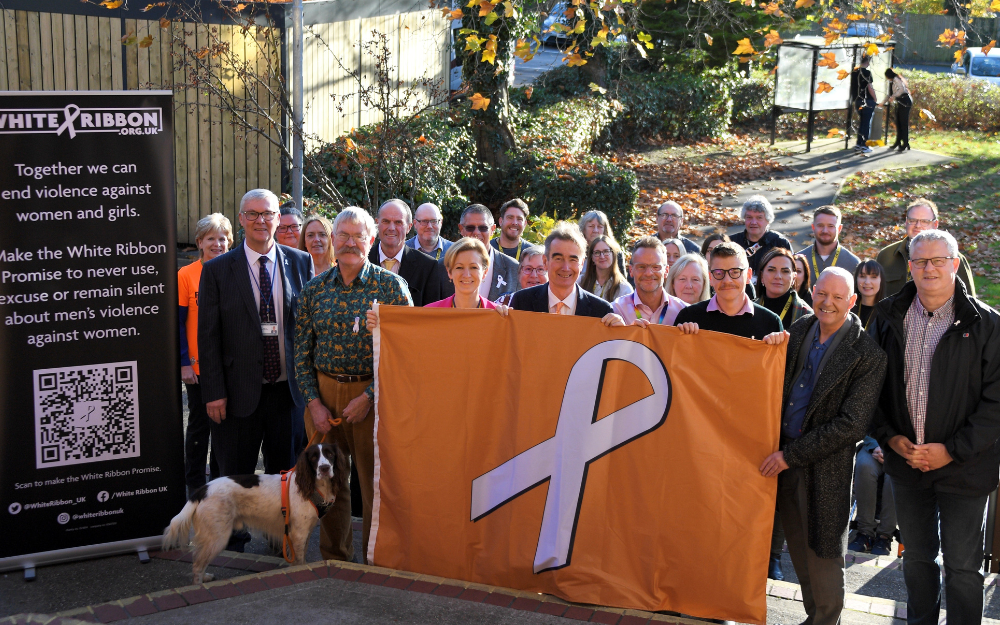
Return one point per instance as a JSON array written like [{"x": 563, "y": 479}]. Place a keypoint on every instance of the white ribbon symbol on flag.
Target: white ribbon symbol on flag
[
  {"x": 579, "y": 440},
  {"x": 71, "y": 112}
]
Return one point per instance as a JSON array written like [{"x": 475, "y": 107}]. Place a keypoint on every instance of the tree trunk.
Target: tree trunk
[{"x": 494, "y": 139}]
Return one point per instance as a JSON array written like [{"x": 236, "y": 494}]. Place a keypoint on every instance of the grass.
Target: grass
[{"x": 966, "y": 191}]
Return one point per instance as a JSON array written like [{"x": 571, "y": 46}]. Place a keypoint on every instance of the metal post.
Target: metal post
[
  {"x": 775, "y": 111},
  {"x": 812, "y": 95},
  {"x": 298, "y": 104},
  {"x": 850, "y": 103}
]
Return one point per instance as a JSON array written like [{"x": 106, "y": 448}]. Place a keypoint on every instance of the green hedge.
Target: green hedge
[{"x": 956, "y": 102}]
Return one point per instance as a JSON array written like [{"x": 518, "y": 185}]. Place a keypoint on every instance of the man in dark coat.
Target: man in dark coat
[
  {"x": 833, "y": 376},
  {"x": 757, "y": 237},
  {"x": 938, "y": 422}
]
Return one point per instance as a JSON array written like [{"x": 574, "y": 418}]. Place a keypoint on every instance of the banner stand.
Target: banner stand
[{"x": 141, "y": 546}]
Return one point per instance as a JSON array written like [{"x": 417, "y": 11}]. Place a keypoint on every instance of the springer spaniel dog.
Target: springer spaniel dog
[{"x": 232, "y": 503}]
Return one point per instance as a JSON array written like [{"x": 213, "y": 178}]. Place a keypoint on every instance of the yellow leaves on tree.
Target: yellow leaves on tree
[
  {"x": 959, "y": 54},
  {"x": 708, "y": 37},
  {"x": 597, "y": 88},
  {"x": 824, "y": 87},
  {"x": 164, "y": 22},
  {"x": 349, "y": 144},
  {"x": 772, "y": 8},
  {"x": 646, "y": 39},
  {"x": 804, "y": 4},
  {"x": 855, "y": 17},
  {"x": 871, "y": 49},
  {"x": 772, "y": 39},
  {"x": 574, "y": 60},
  {"x": 835, "y": 25},
  {"x": 452, "y": 15},
  {"x": 112, "y": 4},
  {"x": 828, "y": 60},
  {"x": 522, "y": 50},
  {"x": 986, "y": 49},
  {"x": 743, "y": 46},
  {"x": 528, "y": 91},
  {"x": 474, "y": 43},
  {"x": 925, "y": 114},
  {"x": 479, "y": 103},
  {"x": 842, "y": 74},
  {"x": 951, "y": 38},
  {"x": 128, "y": 39},
  {"x": 486, "y": 7},
  {"x": 489, "y": 54},
  {"x": 146, "y": 41},
  {"x": 995, "y": 6},
  {"x": 581, "y": 25},
  {"x": 491, "y": 17},
  {"x": 601, "y": 39}
]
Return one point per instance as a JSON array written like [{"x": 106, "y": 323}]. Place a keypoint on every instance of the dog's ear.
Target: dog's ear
[
  {"x": 305, "y": 471},
  {"x": 342, "y": 469}
]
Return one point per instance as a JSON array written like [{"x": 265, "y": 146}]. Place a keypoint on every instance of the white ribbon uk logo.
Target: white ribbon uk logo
[
  {"x": 71, "y": 111},
  {"x": 579, "y": 440}
]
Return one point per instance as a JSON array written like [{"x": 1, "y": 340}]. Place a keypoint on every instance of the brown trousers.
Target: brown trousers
[{"x": 357, "y": 440}]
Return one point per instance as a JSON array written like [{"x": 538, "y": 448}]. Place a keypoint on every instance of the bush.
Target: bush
[
  {"x": 956, "y": 103},
  {"x": 752, "y": 99}
]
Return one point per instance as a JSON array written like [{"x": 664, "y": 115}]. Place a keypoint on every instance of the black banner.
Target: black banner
[{"x": 91, "y": 448}]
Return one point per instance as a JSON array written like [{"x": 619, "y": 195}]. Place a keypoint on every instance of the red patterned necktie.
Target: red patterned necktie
[{"x": 272, "y": 353}]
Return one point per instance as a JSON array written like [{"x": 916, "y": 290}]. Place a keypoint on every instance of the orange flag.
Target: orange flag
[{"x": 609, "y": 466}]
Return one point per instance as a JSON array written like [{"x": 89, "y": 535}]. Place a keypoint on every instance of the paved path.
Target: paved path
[{"x": 814, "y": 179}]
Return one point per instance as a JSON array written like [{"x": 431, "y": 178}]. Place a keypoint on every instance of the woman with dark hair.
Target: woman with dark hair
[
  {"x": 900, "y": 93},
  {"x": 803, "y": 279},
  {"x": 870, "y": 287},
  {"x": 602, "y": 277},
  {"x": 777, "y": 287},
  {"x": 712, "y": 240}
]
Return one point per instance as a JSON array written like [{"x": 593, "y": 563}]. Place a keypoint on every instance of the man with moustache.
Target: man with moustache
[
  {"x": 827, "y": 251},
  {"x": 938, "y": 423},
  {"x": 920, "y": 214},
  {"x": 334, "y": 365},
  {"x": 513, "y": 221},
  {"x": 833, "y": 377},
  {"x": 427, "y": 220},
  {"x": 426, "y": 279},
  {"x": 650, "y": 303}
]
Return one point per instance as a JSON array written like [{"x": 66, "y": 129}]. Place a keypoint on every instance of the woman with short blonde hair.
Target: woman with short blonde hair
[
  {"x": 317, "y": 240},
  {"x": 688, "y": 279}
]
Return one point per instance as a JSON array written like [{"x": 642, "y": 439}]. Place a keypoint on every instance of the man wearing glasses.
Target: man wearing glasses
[
  {"x": 921, "y": 214},
  {"x": 426, "y": 279},
  {"x": 502, "y": 275},
  {"x": 730, "y": 310},
  {"x": 937, "y": 422},
  {"x": 290, "y": 225},
  {"x": 669, "y": 220},
  {"x": 650, "y": 303},
  {"x": 427, "y": 222},
  {"x": 246, "y": 321},
  {"x": 513, "y": 221}
]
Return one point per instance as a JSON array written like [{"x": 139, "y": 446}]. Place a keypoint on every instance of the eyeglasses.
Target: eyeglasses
[
  {"x": 734, "y": 273},
  {"x": 603, "y": 254},
  {"x": 253, "y": 216},
  {"x": 472, "y": 229},
  {"x": 645, "y": 268},
  {"x": 533, "y": 271},
  {"x": 292, "y": 228},
  {"x": 670, "y": 215},
  {"x": 940, "y": 261},
  {"x": 428, "y": 222},
  {"x": 919, "y": 222}
]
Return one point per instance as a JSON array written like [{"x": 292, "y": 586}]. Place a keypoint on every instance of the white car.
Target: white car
[
  {"x": 980, "y": 66},
  {"x": 556, "y": 16}
]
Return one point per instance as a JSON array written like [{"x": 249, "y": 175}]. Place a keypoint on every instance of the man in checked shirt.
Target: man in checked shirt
[
  {"x": 938, "y": 420},
  {"x": 333, "y": 356}
]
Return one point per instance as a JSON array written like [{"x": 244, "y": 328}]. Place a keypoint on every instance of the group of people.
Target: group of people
[{"x": 892, "y": 367}]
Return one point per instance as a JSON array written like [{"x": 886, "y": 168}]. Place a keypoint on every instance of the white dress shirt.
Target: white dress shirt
[
  {"x": 398, "y": 258},
  {"x": 277, "y": 294},
  {"x": 570, "y": 301}
]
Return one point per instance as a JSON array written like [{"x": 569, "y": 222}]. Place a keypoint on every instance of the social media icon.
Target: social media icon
[
  {"x": 14, "y": 508},
  {"x": 63, "y": 518},
  {"x": 102, "y": 496}
]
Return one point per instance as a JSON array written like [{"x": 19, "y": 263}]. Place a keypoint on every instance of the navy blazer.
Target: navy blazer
[
  {"x": 536, "y": 299},
  {"x": 230, "y": 344},
  {"x": 425, "y": 277}
]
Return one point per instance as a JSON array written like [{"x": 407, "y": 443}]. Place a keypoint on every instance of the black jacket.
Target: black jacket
[
  {"x": 963, "y": 403},
  {"x": 230, "y": 345},
  {"x": 769, "y": 241},
  {"x": 426, "y": 278},
  {"x": 838, "y": 416},
  {"x": 536, "y": 299}
]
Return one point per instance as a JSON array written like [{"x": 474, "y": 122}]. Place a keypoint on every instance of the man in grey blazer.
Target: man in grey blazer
[
  {"x": 502, "y": 275},
  {"x": 246, "y": 319}
]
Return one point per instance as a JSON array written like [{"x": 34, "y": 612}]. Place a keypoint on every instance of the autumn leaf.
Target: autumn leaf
[
  {"x": 112, "y": 4},
  {"x": 951, "y": 38},
  {"x": 508, "y": 10},
  {"x": 485, "y": 8},
  {"x": 492, "y": 17},
  {"x": 597, "y": 88},
  {"x": 835, "y": 25},
  {"x": 772, "y": 8},
  {"x": 351, "y": 146},
  {"x": 164, "y": 22},
  {"x": 479, "y": 103},
  {"x": 422, "y": 140},
  {"x": 842, "y": 74},
  {"x": 146, "y": 41},
  {"x": 646, "y": 39},
  {"x": 828, "y": 60},
  {"x": 925, "y": 114},
  {"x": 830, "y": 37},
  {"x": 855, "y": 17},
  {"x": 474, "y": 43},
  {"x": 490, "y": 51},
  {"x": 959, "y": 54},
  {"x": 772, "y": 39},
  {"x": 743, "y": 46},
  {"x": 528, "y": 91},
  {"x": 581, "y": 25},
  {"x": 708, "y": 37},
  {"x": 824, "y": 87},
  {"x": 804, "y": 4},
  {"x": 128, "y": 39},
  {"x": 453, "y": 15},
  {"x": 522, "y": 50},
  {"x": 575, "y": 60},
  {"x": 995, "y": 6},
  {"x": 834, "y": 132},
  {"x": 871, "y": 49},
  {"x": 986, "y": 49}
]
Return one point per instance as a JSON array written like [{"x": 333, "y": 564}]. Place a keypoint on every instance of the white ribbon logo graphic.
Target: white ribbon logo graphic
[
  {"x": 71, "y": 112},
  {"x": 579, "y": 440}
]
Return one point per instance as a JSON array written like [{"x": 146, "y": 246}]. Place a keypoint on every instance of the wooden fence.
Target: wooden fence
[
  {"x": 215, "y": 161},
  {"x": 920, "y": 45}
]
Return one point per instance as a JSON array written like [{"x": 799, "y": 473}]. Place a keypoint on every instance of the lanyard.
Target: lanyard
[
  {"x": 271, "y": 273},
  {"x": 437, "y": 253},
  {"x": 517, "y": 249},
  {"x": 788, "y": 305},
  {"x": 663, "y": 312},
  {"x": 479, "y": 302},
  {"x": 816, "y": 267}
]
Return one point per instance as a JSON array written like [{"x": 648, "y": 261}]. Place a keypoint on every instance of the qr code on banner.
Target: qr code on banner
[{"x": 86, "y": 414}]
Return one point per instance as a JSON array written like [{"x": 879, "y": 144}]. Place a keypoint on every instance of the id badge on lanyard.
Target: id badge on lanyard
[{"x": 269, "y": 329}]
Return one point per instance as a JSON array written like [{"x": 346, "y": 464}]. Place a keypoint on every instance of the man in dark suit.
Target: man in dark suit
[
  {"x": 565, "y": 249},
  {"x": 246, "y": 319},
  {"x": 503, "y": 273},
  {"x": 425, "y": 278},
  {"x": 833, "y": 378}
]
